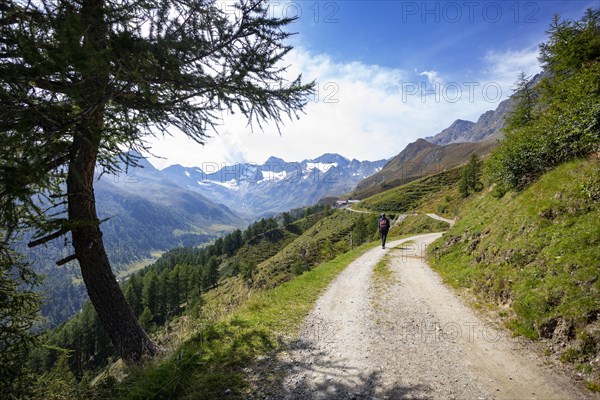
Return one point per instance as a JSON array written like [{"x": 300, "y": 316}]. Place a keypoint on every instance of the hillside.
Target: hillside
[
  {"x": 268, "y": 285},
  {"x": 252, "y": 260},
  {"x": 297, "y": 255},
  {"x": 143, "y": 215},
  {"x": 539, "y": 268},
  {"x": 320, "y": 243},
  {"x": 417, "y": 160},
  {"x": 432, "y": 193},
  {"x": 515, "y": 263},
  {"x": 250, "y": 317}
]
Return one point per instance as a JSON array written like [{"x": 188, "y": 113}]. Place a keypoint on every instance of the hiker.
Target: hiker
[{"x": 384, "y": 227}]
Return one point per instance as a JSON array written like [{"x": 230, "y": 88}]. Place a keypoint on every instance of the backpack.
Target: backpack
[{"x": 383, "y": 224}]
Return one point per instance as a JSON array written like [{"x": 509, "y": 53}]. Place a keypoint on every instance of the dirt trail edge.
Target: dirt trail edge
[{"x": 408, "y": 337}]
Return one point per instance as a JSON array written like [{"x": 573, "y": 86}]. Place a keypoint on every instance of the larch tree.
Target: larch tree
[
  {"x": 81, "y": 80},
  {"x": 470, "y": 179}
]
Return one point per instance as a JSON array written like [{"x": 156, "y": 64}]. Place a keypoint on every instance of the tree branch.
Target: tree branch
[
  {"x": 45, "y": 239},
  {"x": 66, "y": 260}
]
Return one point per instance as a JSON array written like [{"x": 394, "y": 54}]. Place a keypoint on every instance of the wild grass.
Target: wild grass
[
  {"x": 210, "y": 364},
  {"x": 535, "y": 252},
  {"x": 323, "y": 241},
  {"x": 412, "y": 195}
]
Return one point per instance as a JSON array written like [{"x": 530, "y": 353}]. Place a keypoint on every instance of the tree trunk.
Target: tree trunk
[
  {"x": 115, "y": 314},
  {"x": 127, "y": 335}
]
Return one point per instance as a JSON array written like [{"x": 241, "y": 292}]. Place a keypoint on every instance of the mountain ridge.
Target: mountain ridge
[
  {"x": 489, "y": 125},
  {"x": 447, "y": 149},
  {"x": 275, "y": 186}
]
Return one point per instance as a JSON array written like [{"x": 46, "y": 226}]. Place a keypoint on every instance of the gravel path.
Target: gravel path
[
  {"x": 435, "y": 216},
  {"x": 408, "y": 337}
]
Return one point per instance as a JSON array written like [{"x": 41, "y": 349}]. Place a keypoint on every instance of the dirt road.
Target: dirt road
[
  {"x": 408, "y": 337},
  {"x": 435, "y": 216}
]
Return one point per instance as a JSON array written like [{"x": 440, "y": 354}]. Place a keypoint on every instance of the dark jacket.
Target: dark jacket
[{"x": 387, "y": 224}]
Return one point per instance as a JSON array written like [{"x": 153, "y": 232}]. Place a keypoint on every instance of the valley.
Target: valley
[{"x": 268, "y": 280}]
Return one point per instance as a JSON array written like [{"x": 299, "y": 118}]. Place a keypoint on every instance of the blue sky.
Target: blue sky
[
  {"x": 387, "y": 73},
  {"x": 445, "y": 35}
]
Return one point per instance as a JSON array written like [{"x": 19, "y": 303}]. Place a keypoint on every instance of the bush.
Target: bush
[{"x": 563, "y": 122}]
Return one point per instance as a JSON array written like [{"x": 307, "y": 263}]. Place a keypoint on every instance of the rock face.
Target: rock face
[
  {"x": 454, "y": 133},
  {"x": 488, "y": 126}
]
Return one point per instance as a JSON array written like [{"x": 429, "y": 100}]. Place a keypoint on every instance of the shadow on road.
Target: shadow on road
[{"x": 318, "y": 377}]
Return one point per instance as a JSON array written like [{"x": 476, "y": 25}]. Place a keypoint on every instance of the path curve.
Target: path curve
[
  {"x": 401, "y": 217},
  {"x": 435, "y": 216},
  {"x": 408, "y": 337}
]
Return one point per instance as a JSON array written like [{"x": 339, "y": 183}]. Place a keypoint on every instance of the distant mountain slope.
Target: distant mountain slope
[
  {"x": 142, "y": 212},
  {"x": 415, "y": 194},
  {"x": 137, "y": 225},
  {"x": 190, "y": 211},
  {"x": 454, "y": 133},
  {"x": 488, "y": 126},
  {"x": 449, "y": 148},
  {"x": 276, "y": 185},
  {"x": 417, "y": 160}
]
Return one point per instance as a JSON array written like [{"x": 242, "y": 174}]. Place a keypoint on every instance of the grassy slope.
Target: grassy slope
[
  {"x": 265, "y": 246},
  {"x": 434, "y": 193},
  {"x": 419, "y": 223},
  {"x": 321, "y": 242},
  {"x": 243, "y": 319},
  {"x": 414, "y": 162},
  {"x": 210, "y": 364},
  {"x": 536, "y": 253}
]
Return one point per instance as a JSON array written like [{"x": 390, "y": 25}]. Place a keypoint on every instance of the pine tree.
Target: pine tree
[
  {"x": 19, "y": 307},
  {"x": 185, "y": 282},
  {"x": 163, "y": 297},
  {"x": 196, "y": 284},
  {"x": 133, "y": 300},
  {"x": 571, "y": 44},
  {"x": 146, "y": 318},
  {"x": 210, "y": 273},
  {"x": 80, "y": 80},
  {"x": 58, "y": 383},
  {"x": 286, "y": 218},
  {"x": 565, "y": 122},
  {"x": 174, "y": 295},
  {"x": 363, "y": 229},
  {"x": 470, "y": 180},
  {"x": 150, "y": 293},
  {"x": 525, "y": 101}
]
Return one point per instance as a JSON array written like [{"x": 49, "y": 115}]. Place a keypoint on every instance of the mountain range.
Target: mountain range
[
  {"x": 144, "y": 209},
  {"x": 261, "y": 189}
]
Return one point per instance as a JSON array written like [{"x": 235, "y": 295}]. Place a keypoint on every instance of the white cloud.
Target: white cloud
[
  {"x": 432, "y": 76},
  {"x": 360, "y": 111},
  {"x": 505, "y": 67}
]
